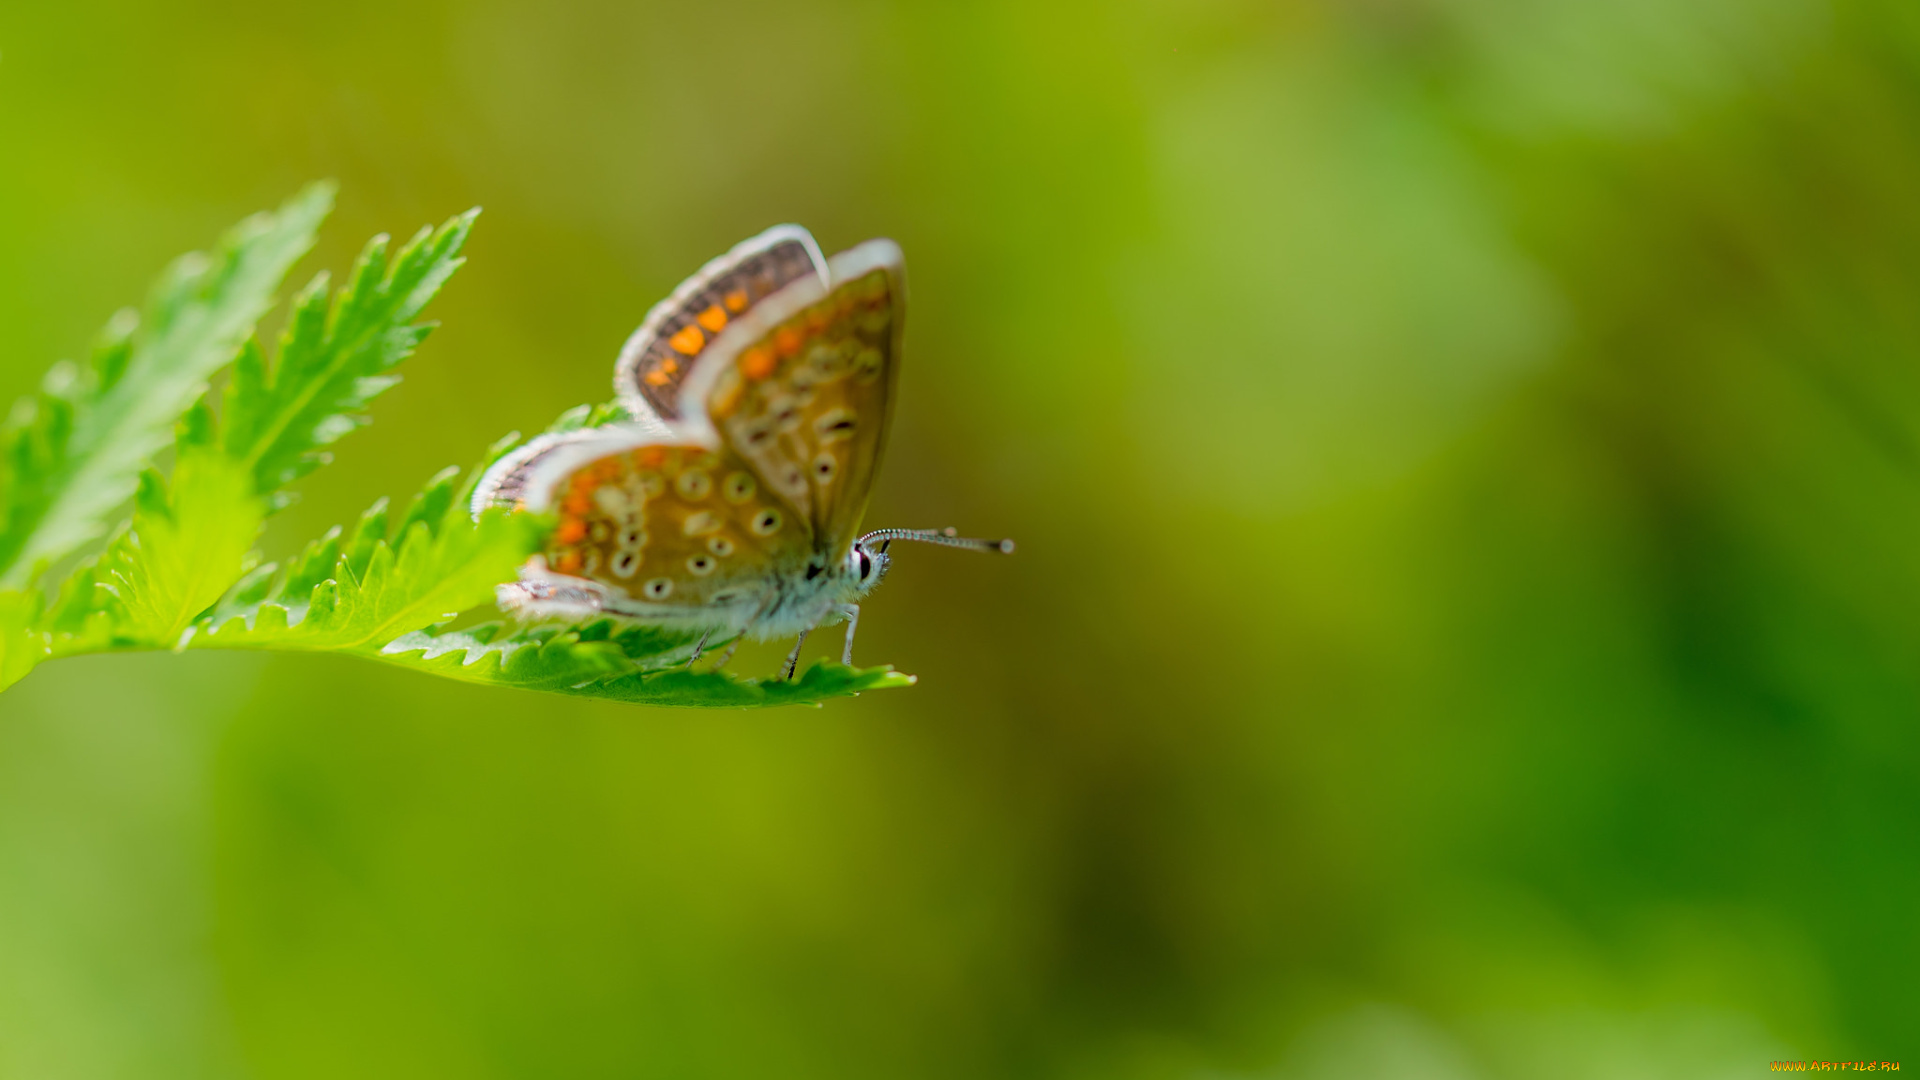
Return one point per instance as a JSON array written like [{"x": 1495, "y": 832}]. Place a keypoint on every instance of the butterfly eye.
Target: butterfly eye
[
  {"x": 625, "y": 563},
  {"x": 866, "y": 565},
  {"x": 765, "y": 523},
  {"x": 701, "y": 565},
  {"x": 658, "y": 589}
]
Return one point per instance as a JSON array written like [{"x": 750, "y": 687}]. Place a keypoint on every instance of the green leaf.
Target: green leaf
[
  {"x": 335, "y": 358},
  {"x": 441, "y": 563},
  {"x": 22, "y": 645},
  {"x": 71, "y": 456},
  {"x": 716, "y": 689},
  {"x": 580, "y": 663},
  {"x": 188, "y": 544}
]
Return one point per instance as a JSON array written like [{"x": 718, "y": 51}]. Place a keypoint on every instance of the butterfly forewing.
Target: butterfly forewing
[
  {"x": 660, "y": 355},
  {"x": 674, "y": 527},
  {"x": 808, "y": 403}
]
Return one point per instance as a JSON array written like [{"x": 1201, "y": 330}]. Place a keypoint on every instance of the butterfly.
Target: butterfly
[{"x": 759, "y": 395}]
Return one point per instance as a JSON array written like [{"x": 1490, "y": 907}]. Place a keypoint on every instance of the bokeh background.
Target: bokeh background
[{"x": 1466, "y": 460}]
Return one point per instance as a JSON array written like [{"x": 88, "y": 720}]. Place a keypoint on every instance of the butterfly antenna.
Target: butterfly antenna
[{"x": 943, "y": 537}]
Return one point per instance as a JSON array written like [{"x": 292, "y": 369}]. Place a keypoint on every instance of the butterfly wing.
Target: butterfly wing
[
  {"x": 659, "y": 356},
  {"x": 670, "y": 532},
  {"x": 802, "y": 387}
]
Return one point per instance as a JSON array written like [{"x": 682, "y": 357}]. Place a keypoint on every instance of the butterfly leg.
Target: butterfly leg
[
  {"x": 699, "y": 647},
  {"x": 793, "y": 658},
  {"x": 850, "y": 612},
  {"x": 728, "y": 655}
]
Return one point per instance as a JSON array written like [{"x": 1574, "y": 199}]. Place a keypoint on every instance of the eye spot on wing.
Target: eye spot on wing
[
  {"x": 786, "y": 414},
  {"x": 835, "y": 425},
  {"x": 724, "y": 597},
  {"x": 766, "y": 523},
  {"x": 658, "y": 589},
  {"x": 826, "y": 361},
  {"x": 651, "y": 484},
  {"x": 625, "y": 563},
  {"x": 590, "y": 560},
  {"x": 700, "y": 523},
  {"x": 633, "y": 539},
  {"x": 693, "y": 484},
  {"x": 598, "y": 532},
  {"x": 757, "y": 434},
  {"x": 688, "y": 341},
  {"x": 737, "y": 488},
  {"x": 866, "y": 365},
  {"x": 825, "y": 467},
  {"x": 720, "y": 546},
  {"x": 701, "y": 565}
]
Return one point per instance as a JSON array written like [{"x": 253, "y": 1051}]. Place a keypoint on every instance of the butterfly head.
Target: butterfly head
[
  {"x": 868, "y": 560},
  {"x": 866, "y": 565}
]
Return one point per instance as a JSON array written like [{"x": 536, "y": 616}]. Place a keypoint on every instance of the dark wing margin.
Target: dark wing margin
[{"x": 658, "y": 357}]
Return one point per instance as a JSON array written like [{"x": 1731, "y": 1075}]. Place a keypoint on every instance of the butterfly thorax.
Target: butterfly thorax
[{"x": 810, "y": 597}]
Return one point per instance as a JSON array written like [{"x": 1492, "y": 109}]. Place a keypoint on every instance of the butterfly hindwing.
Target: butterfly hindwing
[
  {"x": 804, "y": 393},
  {"x": 673, "y": 527},
  {"x": 660, "y": 355}
]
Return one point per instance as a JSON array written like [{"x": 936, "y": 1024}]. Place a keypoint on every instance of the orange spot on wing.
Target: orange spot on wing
[
  {"x": 568, "y": 563},
  {"x": 758, "y": 362},
  {"x": 688, "y": 341},
  {"x": 651, "y": 456},
  {"x": 787, "y": 341},
  {"x": 737, "y": 301},
  {"x": 577, "y": 503},
  {"x": 571, "y": 531},
  {"x": 713, "y": 319}
]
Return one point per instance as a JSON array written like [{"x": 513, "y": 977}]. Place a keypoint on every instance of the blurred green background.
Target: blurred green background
[{"x": 1466, "y": 461}]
